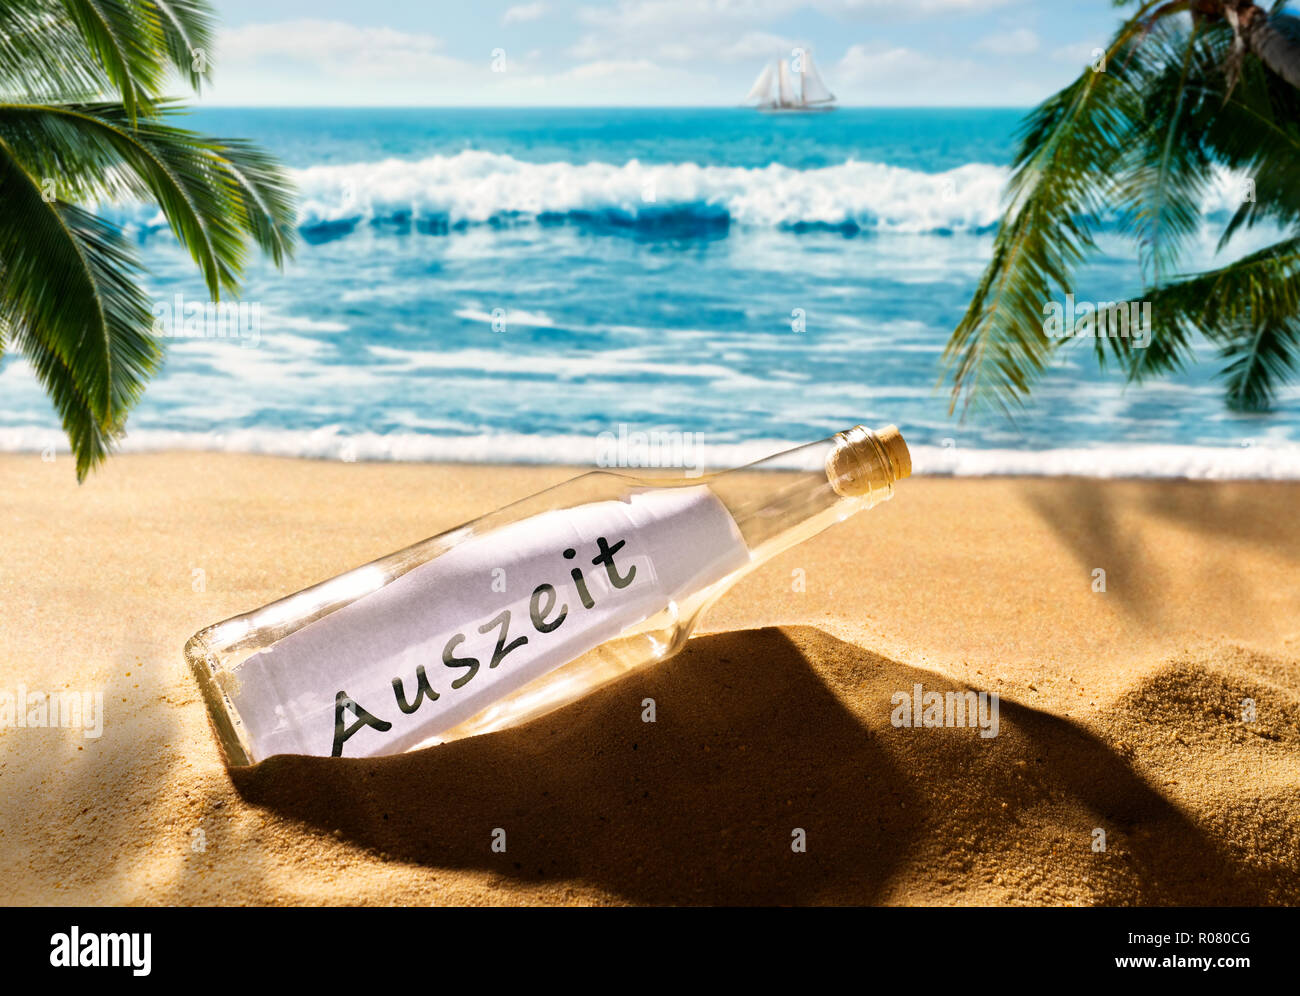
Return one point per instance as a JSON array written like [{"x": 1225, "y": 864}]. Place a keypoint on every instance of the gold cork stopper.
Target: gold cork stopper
[
  {"x": 896, "y": 449},
  {"x": 866, "y": 463}
]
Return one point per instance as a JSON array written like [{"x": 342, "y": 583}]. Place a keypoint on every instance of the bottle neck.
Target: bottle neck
[{"x": 843, "y": 474}]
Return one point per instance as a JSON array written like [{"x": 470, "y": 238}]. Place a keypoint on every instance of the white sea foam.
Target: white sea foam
[
  {"x": 1272, "y": 462},
  {"x": 1265, "y": 461},
  {"x": 509, "y": 317},
  {"x": 473, "y": 187},
  {"x": 627, "y": 363}
]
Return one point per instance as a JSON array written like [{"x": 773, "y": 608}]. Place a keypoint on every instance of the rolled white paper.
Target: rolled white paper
[{"x": 461, "y": 616}]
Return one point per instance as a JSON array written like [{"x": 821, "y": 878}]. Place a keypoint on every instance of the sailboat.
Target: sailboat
[{"x": 777, "y": 93}]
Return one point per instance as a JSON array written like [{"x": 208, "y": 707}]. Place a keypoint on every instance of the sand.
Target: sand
[{"x": 1120, "y": 711}]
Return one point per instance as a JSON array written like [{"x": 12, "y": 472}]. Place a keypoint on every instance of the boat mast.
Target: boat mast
[{"x": 786, "y": 91}]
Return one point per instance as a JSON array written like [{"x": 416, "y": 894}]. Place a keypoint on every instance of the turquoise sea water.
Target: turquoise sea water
[{"x": 488, "y": 284}]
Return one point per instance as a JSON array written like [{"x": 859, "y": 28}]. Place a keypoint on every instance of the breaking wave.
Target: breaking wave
[{"x": 444, "y": 193}]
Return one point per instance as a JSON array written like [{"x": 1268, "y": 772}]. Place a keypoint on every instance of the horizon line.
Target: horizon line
[{"x": 589, "y": 107}]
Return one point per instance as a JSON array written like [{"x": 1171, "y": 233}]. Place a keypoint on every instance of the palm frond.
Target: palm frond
[
  {"x": 1062, "y": 184},
  {"x": 189, "y": 33},
  {"x": 1179, "y": 109},
  {"x": 70, "y": 300},
  {"x": 125, "y": 38},
  {"x": 135, "y": 43},
  {"x": 1249, "y": 308},
  {"x": 215, "y": 195},
  {"x": 1258, "y": 362},
  {"x": 43, "y": 55},
  {"x": 1256, "y": 132},
  {"x": 1163, "y": 181},
  {"x": 1165, "y": 175},
  {"x": 268, "y": 204},
  {"x": 70, "y": 297}
]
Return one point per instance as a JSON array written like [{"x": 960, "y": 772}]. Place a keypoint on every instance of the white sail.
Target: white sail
[
  {"x": 762, "y": 88},
  {"x": 787, "y": 97},
  {"x": 777, "y": 91},
  {"x": 814, "y": 90}
]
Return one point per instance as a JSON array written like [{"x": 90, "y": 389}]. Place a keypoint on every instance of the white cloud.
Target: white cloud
[
  {"x": 684, "y": 15},
  {"x": 335, "y": 48},
  {"x": 899, "y": 76},
  {"x": 757, "y": 46},
  {"x": 882, "y": 74},
  {"x": 618, "y": 68},
  {"x": 1022, "y": 41},
  {"x": 660, "y": 30},
  {"x": 678, "y": 16},
  {"x": 524, "y": 12},
  {"x": 729, "y": 31},
  {"x": 1080, "y": 53},
  {"x": 898, "y": 11},
  {"x": 313, "y": 62},
  {"x": 656, "y": 52},
  {"x": 870, "y": 64}
]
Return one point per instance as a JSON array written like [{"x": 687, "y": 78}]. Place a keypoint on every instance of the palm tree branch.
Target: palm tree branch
[
  {"x": 188, "y": 31},
  {"x": 24, "y": 285},
  {"x": 1243, "y": 306},
  {"x": 1052, "y": 184},
  {"x": 43, "y": 54},
  {"x": 1164, "y": 166},
  {"x": 90, "y": 440},
  {"x": 1256, "y": 132},
  {"x": 122, "y": 38},
  {"x": 205, "y": 194}
]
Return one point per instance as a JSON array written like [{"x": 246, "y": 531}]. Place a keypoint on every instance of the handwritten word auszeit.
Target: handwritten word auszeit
[{"x": 544, "y": 615}]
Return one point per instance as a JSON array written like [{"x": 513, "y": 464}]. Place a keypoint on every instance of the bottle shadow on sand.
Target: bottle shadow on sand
[{"x": 757, "y": 735}]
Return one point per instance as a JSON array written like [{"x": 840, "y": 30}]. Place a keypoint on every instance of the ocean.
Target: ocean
[{"x": 523, "y": 285}]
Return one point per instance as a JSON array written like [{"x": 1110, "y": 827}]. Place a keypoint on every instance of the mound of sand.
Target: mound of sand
[
  {"x": 1123, "y": 713},
  {"x": 763, "y": 732}
]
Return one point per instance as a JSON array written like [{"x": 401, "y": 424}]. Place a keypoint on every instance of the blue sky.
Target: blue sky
[{"x": 647, "y": 52}]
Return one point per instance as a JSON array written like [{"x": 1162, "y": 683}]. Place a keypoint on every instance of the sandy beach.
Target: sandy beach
[{"x": 1121, "y": 710}]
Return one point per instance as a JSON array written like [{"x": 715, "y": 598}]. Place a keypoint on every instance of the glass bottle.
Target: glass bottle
[{"x": 521, "y": 611}]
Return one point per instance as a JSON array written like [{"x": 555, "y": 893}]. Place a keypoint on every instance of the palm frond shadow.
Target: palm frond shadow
[{"x": 1091, "y": 522}]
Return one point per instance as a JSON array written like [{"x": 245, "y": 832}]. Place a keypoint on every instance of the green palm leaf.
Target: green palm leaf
[
  {"x": 1163, "y": 185},
  {"x": 1249, "y": 308},
  {"x": 43, "y": 53},
  {"x": 213, "y": 194},
  {"x": 73, "y": 307},
  {"x": 188, "y": 36},
  {"x": 1140, "y": 144},
  {"x": 1060, "y": 187},
  {"x": 125, "y": 38},
  {"x": 1257, "y": 132},
  {"x": 82, "y": 121},
  {"x": 1259, "y": 361}
]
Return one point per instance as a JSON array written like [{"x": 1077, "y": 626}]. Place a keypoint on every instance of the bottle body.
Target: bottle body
[{"x": 514, "y": 614}]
